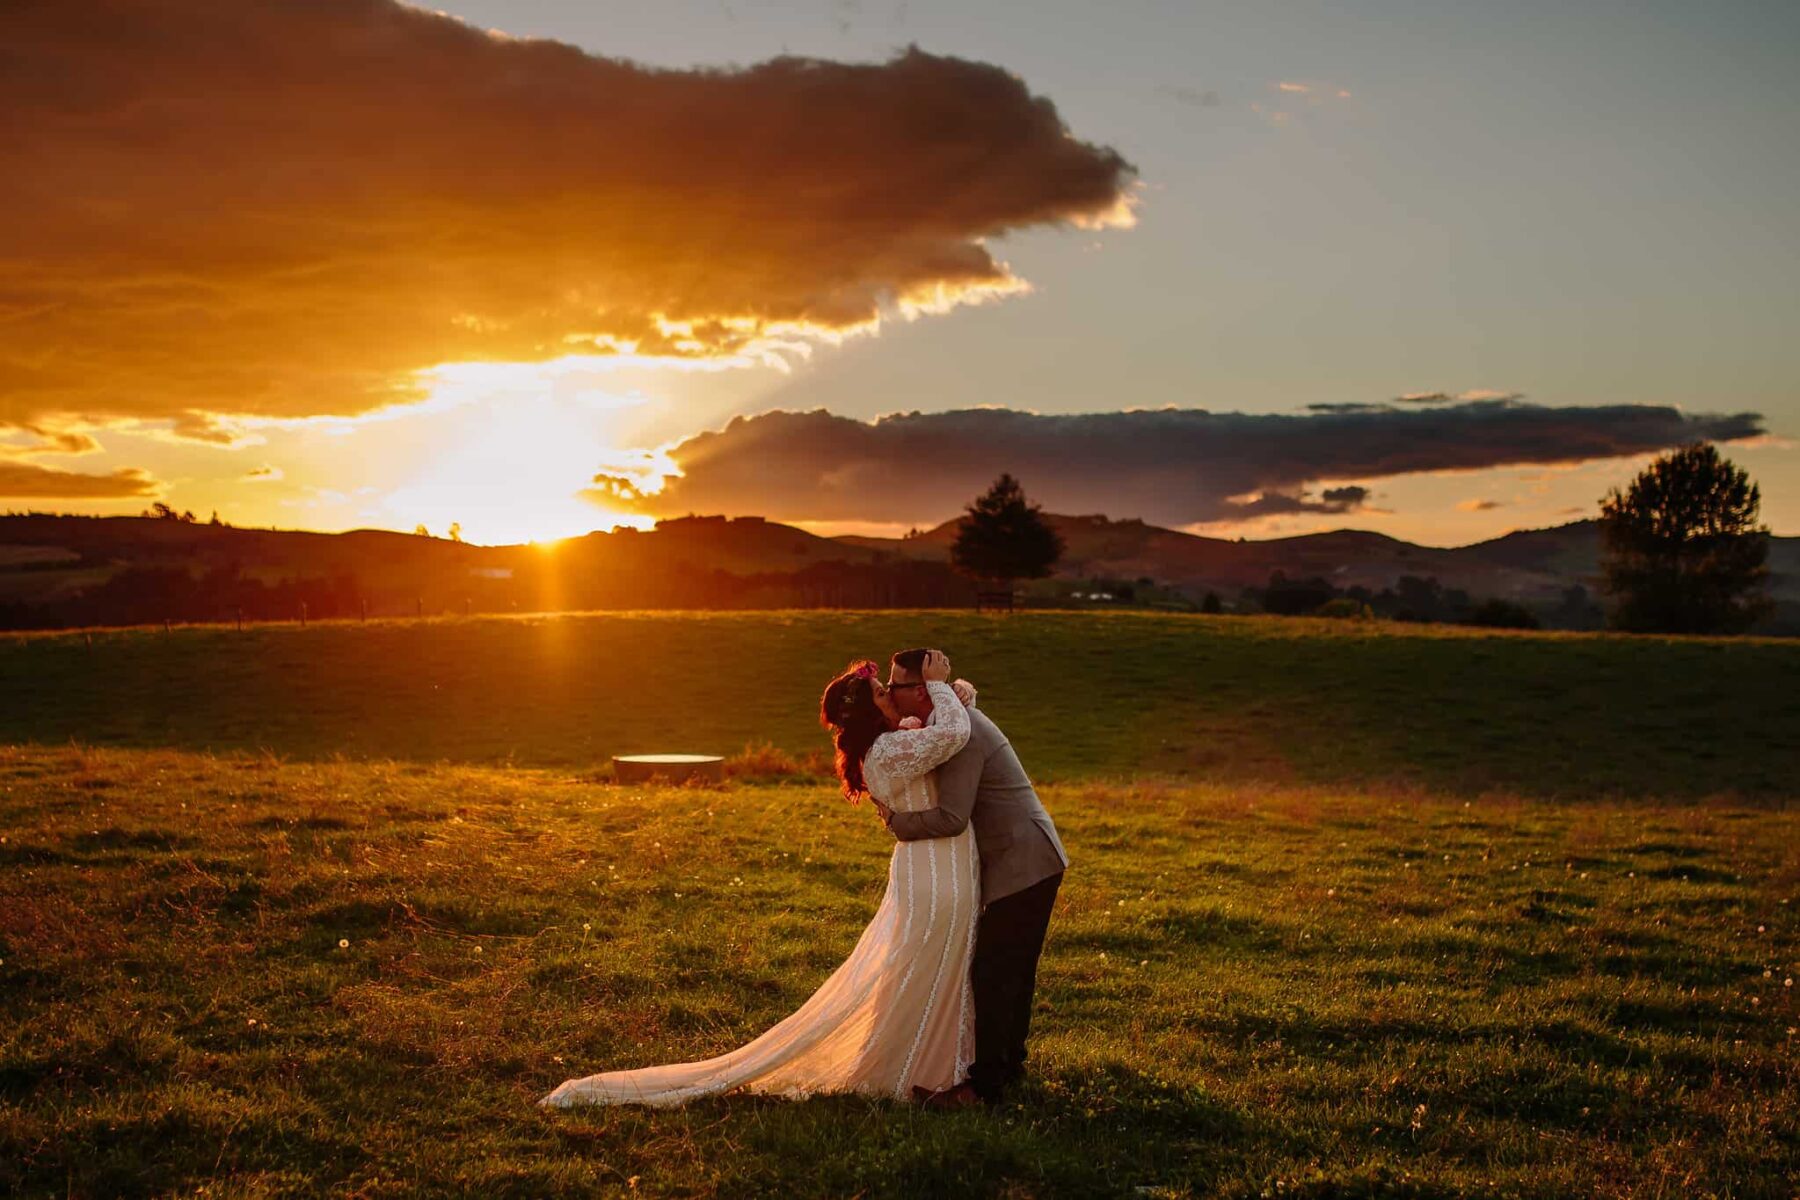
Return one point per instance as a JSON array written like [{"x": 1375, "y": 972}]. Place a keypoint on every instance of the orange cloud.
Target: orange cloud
[
  {"x": 21, "y": 479},
  {"x": 47, "y": 441},
  {"x": 290, "y": 209}
]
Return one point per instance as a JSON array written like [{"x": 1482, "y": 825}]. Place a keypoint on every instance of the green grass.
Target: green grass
[
  {"x": 1220, "y": 699},
  {"x": 1355, "y": 910},
  {"x": 1248, "y": 991}
]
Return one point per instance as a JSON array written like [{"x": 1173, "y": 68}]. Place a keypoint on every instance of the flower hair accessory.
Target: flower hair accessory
[{"x": 863, "y": 670}]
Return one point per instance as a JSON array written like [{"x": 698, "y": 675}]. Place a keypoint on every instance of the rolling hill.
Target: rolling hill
[
  {"x": 48, "y": 564},
  {"x": 1532, "y": 566}
]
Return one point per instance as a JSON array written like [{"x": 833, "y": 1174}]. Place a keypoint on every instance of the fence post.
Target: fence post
[
  {"x": 303, "y": 614},
  {"x": 363, "y": 604},
  {"x": 465, "y": 606},
  {"x": 240, "y": 618},
  {"x": 165, "y": 624},
  {"x": 419, "y": 606}
]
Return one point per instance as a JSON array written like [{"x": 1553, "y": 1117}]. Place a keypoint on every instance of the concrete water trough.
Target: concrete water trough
[{"x": 676, "y": 768}]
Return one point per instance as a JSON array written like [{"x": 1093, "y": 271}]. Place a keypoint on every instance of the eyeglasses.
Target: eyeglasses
[{"x": 894, "y": 687}]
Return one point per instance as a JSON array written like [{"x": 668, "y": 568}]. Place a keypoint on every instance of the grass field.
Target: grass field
[
  {"x": 1454, "y": 710},
  {"x": 1315, "y": 992},
  {"x": 1429, "y": 914}
]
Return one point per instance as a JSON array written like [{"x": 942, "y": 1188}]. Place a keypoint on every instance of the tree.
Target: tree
[
  {"x": 1291, "y": 597},
  {"x": 421, "y": 531},
  {"x": 1683, "y": 552},
  {"x": 1495, "y": 613},
  {"x": 456, "y": 531},
  {"x": 1003, "y": 537}
]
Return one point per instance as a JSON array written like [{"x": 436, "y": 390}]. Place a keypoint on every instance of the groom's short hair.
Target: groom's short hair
[{"x": 910, "y": 661}]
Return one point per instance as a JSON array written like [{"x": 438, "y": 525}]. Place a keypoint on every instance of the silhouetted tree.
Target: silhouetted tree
[
  {"x": 1211, "y": 603},
  {"x": 421, "y": 531},
  {"x": 456, "y": 531},
  {"x": 1503, "y": 614},
  {"x": 1417, "y": 599},
  {"x": 1004, "y": 537},
  {"x": 1683, "y": 551},
  {"x": 1292, "y": 597},
  {"x": 1576, "y": 610}
]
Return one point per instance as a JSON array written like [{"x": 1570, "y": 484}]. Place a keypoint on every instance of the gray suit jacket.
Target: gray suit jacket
[{"x": 984, "y": 784}]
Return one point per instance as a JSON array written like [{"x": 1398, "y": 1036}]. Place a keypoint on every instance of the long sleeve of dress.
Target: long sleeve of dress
[
  {"x": 958, "y": 785},
  {"x": 910, "y": 753}
]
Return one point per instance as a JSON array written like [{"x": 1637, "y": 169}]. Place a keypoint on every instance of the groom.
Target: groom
[{"x": 1022, "y": 863}]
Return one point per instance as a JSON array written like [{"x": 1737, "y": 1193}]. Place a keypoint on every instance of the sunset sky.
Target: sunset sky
[{"x": 1436, "y": 268}]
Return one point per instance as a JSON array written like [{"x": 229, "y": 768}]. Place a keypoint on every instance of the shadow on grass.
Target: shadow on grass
[
  {"x": 1099, "y": 1131},
  {"x": 155, "y": 1153}
]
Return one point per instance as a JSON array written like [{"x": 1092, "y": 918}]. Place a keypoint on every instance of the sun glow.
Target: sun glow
[{"x": 520, "y": 445}]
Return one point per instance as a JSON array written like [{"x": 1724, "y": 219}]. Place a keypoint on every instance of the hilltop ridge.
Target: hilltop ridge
[{"x": 47, "y": 563}]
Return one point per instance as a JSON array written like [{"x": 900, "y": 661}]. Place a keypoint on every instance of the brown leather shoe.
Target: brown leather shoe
[{"x": 951, "y": 1099}]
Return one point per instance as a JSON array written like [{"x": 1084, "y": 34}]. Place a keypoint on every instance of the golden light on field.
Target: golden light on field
[{"x": 519, "y": 444}]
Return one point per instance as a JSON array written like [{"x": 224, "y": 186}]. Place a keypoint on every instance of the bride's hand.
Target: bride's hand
[{"x": 936, "y": 668}]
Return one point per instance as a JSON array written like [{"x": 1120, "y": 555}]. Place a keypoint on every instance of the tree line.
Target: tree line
[
  {"x": 1683, "y": 553},
  {"x": 153, "y": 594}
]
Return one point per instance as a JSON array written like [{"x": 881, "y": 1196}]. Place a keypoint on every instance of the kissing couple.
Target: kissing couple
[{"x": 934, "y": 1003}]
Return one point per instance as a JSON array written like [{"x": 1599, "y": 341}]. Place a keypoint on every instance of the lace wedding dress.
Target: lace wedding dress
[{"x": 898, "y": 1013}]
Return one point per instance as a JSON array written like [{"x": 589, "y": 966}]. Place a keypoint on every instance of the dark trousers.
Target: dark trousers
[{"x": 1008, "y": 940}]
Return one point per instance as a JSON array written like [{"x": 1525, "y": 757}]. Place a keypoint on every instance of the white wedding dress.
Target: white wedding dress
[{"x": 898, "y": 1013}]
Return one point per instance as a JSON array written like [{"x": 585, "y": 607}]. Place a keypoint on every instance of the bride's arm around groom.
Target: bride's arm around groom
[
  {"x": 1022, "y": 862},
  {"x": 985, "y": 783}
]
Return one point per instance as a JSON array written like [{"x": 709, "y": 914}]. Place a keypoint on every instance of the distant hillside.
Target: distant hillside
[
  {"x": 1534, "y": 567},
  {"x": 61, "y": 571},
  {"x": 121, "y": 570}
]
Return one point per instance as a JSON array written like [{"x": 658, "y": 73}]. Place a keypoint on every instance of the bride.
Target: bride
[{"x": 897, "y": 1015}]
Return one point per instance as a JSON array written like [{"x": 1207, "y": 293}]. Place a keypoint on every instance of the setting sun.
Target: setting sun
[{"x": 520, "y": 444}]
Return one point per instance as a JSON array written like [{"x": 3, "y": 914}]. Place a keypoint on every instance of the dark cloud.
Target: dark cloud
[
  {"x": 283, "y": 208},
  {"x": 21, "y": 479},
  {"x": 1480, "y": 505},
  {"x": 1281, "y": 503},
  {"x": 1447, "y": 398},
  {"x": 1173, "y": 466},
  {"x": 1416, "y": 398}
]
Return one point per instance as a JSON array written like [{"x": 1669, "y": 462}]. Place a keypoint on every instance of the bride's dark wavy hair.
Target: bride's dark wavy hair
[{"x": 848, "y": 710}]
